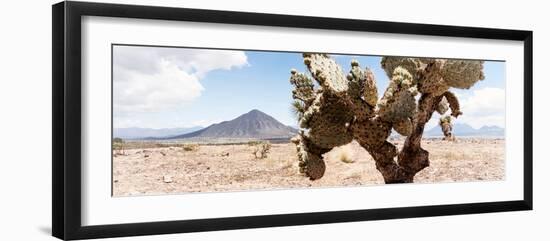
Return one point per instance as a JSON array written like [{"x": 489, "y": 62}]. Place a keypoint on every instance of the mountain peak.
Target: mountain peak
[
  {"x": 253, "y": 124},
  {"x": 256, "y": 115},
  {"x": 255, "y": 111}
]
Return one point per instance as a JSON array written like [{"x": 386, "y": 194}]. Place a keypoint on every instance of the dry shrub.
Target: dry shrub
[
  {"x": 345, "y": 154},
  {"x": 254, "y": 143},
  {"x": 190, "y": 147},
  {"x": 260, "y": 147},
  {"x": 118, "y": 147},
  {"x": 455, "y": 155}
]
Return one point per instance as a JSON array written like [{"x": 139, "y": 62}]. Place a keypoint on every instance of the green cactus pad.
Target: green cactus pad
[
  {"x": 361, "y": 91},
  {"x": 328, "y": 119},
  {"x": 389, "y": 63},
  {"x": 310, "y": 160},
  {"x": 431, "y": 80},
  {"x": 398, "y": 102},
  {"x": 327, "y": 72},
  {"x": 370, "y": 92},
  {"x": 462, "y": 74},
  {"x": 403, "y": 127},
  {"x": 372, "y": 132}
]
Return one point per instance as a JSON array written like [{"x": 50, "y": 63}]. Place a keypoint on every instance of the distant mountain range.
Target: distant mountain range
[
  {"x": 259, "y": 125},
  {"x": 254, "y": 124},
  {"x": 145, "y": 133},
  {"x": 461, "y": 129}
]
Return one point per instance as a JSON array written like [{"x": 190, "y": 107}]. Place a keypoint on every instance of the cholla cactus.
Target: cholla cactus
[
  {"x": 346, "y": 107},
  {"x": 446, "y": 128}
]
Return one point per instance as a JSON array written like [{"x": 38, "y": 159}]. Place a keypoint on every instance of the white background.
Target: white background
[
  {"x": 100, "y": 208},
  {"x": 25, "y": 126}
]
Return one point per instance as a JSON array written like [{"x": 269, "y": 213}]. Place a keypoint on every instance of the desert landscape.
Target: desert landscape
[
  {"x": 153, "y": 168},
  {"x": 280, "y": 120}
]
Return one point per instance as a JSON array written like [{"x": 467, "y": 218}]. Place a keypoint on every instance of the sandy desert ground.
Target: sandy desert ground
[{"x": 212, "y": 168}]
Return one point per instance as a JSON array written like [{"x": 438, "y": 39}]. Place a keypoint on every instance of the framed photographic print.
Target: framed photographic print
[{"x": 171, "y": 120}]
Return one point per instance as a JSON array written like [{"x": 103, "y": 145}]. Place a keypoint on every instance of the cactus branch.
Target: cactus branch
[
  {"x": 453, "y": 103},
  {"x": 412, "y": 157}
]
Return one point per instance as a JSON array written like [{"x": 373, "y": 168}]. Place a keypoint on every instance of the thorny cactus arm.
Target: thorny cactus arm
[
  {"x": 329, "y": 115},
  {"x": 303, "y": 94},
  {"x": 398, "y": 105},
  {"x": 327, "y": 72},
  {"x": 413, "y": 158},
  {"x": 362, "y": 91},
  {"x": 310, "y": 157},
  {"x": 453, "y": 103},
  {"x": 362, "y": 84},
  {"x": 325, "y": 114}
]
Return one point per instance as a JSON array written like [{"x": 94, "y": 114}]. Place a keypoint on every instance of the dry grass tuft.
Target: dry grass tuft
[
  {"x": 455, "y": 155},
  {"x": 190, "y": 147},
  {"x": 260, "y": 147},
  {"x": 345, "y": 154}
]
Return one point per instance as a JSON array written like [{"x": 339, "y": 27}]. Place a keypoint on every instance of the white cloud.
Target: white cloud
[
  {"x": 485, "y": 107},
  {"x": 204, "y": 123},
  {"x": 149, "y": 79},
  {"x": 125, "y": 122},
  {"x": 156, "y": 91}
]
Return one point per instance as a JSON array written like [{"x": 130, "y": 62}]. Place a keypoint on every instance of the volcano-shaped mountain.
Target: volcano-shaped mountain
[{"x": 254, "y": 124}]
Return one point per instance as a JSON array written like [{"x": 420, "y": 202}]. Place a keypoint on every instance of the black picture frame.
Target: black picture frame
[{"x": 66, "y": 127}]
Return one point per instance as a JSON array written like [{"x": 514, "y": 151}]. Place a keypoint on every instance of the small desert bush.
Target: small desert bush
[
  {"x": 260, "y": 149},
  {"x": 118, "y": 146},
  {"x": 190, "y": 147},
  {"x": 455, "y": 155},
  {"x": 254, "y": 143},
  {"x": 345, "y": 154}
]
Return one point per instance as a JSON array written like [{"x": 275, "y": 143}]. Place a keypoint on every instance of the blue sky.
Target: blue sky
[{"x": 177, "y": 87}]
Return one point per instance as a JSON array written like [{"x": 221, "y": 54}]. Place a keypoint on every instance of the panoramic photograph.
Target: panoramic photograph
[{"x": 190, "y": 120}]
